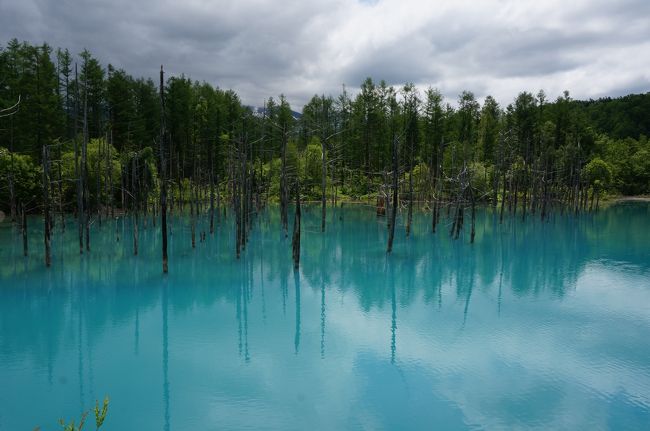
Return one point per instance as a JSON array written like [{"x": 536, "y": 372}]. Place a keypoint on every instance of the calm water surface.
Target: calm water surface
[{"x": 535, "y": 326}]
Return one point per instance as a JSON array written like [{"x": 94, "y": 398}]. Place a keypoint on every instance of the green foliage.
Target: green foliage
[
  {"x": 100, "y": 417},
  {"x": 272, "y": 171},
  {"x": 358, "y": 185},
  {"x": 598, "y": 173},
  {"x": 480, "y": 175},
  {"x": 29, "y": 74},
  {"x": 313, "y": 172},
  {"x": 294, "y": 165},
  {"x": 629, "y": 162},
  {"x": 208, "y": 129},
  {"x": 120, "y": 97},
  {"x": 71, "y": 426},
  {"x": 100, "y": 413},
  {"x": 621, "y": 117},
  {"x": 99, "y": 168},
  {"x": 26, "y": 179},
  {"x": 420, "y": 174},
  {"x": 489, "y": 128}
]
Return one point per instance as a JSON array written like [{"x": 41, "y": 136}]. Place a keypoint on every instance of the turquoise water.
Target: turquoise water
[{"x": 535, "y": 326}]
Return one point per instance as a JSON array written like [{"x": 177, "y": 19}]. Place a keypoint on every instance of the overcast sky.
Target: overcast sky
[{"x": 262, "y": 48}]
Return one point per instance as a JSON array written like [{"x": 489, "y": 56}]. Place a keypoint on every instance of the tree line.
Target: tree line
[{"x": 78, "y": 137}]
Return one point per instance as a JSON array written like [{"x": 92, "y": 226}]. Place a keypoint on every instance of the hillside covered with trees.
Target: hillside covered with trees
[{"x": 93, "y": 132}]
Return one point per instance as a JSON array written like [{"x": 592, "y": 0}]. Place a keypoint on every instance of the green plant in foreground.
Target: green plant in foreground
[
  {"x": 71, "y": 426},
  {"x": 100, "y": 417}
]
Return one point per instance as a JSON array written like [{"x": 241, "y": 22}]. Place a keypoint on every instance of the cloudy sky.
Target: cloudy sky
[{"x": 262, "y": 48}]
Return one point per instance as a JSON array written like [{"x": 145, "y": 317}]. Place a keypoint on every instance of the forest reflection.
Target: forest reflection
[{"x": 111, "y": 287}]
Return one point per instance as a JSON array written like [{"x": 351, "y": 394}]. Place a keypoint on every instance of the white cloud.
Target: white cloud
[{"x": 263, "y": 48}]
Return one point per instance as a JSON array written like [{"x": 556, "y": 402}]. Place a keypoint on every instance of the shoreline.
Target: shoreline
[
  {"x": 369, "y": 202},
  {"x": 632, "y": 199}
]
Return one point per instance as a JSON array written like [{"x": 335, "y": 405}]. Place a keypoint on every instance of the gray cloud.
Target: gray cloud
[
  {"x": 397, "y": 63},
  {"x": 262, "y": 48}
]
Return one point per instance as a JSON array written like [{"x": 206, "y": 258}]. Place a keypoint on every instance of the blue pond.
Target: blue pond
[{"x": 538, "y": 325}]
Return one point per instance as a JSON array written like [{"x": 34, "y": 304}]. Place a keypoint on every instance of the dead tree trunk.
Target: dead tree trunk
[
  {"x": 192, "y": 216},
  {"x": 409, "y": 217},
  {"x": 218, "y": 199},
  {"x": 503, "y": 197},
  {"x": 46, "y": 208},
  {"x": 238, "y": 218},
  {"x": 525, "y": 185},
  {"x": 435, "y": 218},
  {"x": 515, "y": 195},
  {"x": 12, "y": 192},
  {"x": 284, "y": 196},
  {"x": 163, "y": 179},
  {"x": 245, "y": 182},
  {"x": 393, "y": 212},
  {"x": 60, "y": 187},
  {"x": 323, "y": 187},
  {"x": 295, "y": 241},
  {"x": 211, "y": 189},
  {"x": 454, "y": 225},
  {"x": 109, "y": 173},
  {"x": 473, "y": 233},
  {"x": 77, "y": 171},
  {"x": 98, "y": 183},
  {"x": 84, "y": 170},
  {"x": 23, "y": 215},
  {"x": 135, "y": 195}
]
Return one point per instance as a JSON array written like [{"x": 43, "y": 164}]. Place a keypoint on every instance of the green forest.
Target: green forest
[{"x": 78, "y": 135}]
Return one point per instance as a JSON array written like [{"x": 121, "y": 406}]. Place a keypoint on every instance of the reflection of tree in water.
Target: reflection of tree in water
[
  {"x": 322, "y": 320},
  {"x": 113, "y": 287},
  {"x": 393, "y": 319},
  {"x": 165, "y": 355},
  {"x": 296, "y": 342}
]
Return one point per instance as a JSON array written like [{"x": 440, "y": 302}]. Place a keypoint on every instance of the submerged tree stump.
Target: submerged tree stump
[{"x": 295, "y": 241}]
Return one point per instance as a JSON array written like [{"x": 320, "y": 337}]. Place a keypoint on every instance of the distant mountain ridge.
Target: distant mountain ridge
[
  {"x": 620, "y": 117},
  {"x": 259, "y": 111}
]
